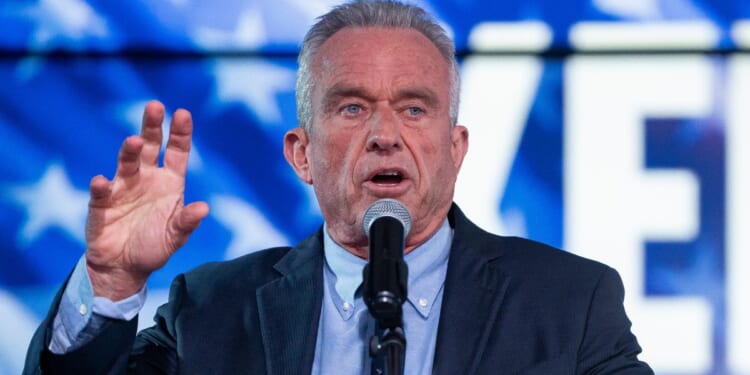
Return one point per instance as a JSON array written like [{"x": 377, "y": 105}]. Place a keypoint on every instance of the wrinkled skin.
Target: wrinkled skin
[
  {"x": 381, "y": 129},
  {"x": 138, "y": 220}
]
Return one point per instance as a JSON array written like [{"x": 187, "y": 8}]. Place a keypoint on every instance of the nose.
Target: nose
[{"x": 385, "y": 133}]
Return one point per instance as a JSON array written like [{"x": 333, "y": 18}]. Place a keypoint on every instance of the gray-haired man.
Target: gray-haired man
[{"x": 377, "y": 103}]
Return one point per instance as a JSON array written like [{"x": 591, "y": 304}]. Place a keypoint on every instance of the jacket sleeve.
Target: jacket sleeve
[
  {"x": 608, "y": 346},
  {"x": 116, "y": 350},
  {"x": 155, "y": 348},
  {"x": 104, "y": 354}
]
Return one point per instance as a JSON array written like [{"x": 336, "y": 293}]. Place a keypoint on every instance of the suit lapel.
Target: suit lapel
[
  {"x": 289, "y": 309},
  {"x": 474, "y": 292}
]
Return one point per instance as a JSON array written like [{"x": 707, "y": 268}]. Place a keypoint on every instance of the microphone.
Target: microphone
[{"x": 386, "y": 223}]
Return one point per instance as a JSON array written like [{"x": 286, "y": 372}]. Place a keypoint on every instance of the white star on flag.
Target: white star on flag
[
  {"x": 250, "y": 230},
  {"x": 248, "y": 34},
  {"x": 52, "y": 202},
  {"x": 68, "y": 20},
  {"x": 254, "y": 83}
]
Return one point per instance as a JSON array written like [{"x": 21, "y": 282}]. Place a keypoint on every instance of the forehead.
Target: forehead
[{"x": 383, "y": 57}]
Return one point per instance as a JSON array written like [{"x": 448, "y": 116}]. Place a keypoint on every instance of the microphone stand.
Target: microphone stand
[
  {"x": 385, "y": 278},
  {"x": 390, "y": 345}
]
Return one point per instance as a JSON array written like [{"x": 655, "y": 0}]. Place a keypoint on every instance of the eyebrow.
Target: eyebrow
[
  {"x": 426, "y": 95},
  {"x": 339, "y": 91}
]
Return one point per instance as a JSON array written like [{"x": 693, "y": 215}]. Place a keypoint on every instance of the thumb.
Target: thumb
[{"x": 189, "y": 218}]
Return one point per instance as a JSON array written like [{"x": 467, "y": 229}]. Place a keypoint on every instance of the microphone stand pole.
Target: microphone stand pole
[
  {"x": 385, "y": 278},
  {"x": 390, "y": 345}
]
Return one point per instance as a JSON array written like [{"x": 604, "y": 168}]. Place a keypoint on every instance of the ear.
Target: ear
[
  {"x": 459, "y": 144},
  {"x": 295, "y": 152}
]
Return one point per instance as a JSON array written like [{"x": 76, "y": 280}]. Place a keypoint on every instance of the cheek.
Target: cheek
[
  {"x": 434, "y": 154},
  {"x": 330, "y": 157},
  {"x": 439, "y": 167}
]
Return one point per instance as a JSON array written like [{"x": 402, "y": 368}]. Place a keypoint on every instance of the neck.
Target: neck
[{"x": 359, "y": 246}]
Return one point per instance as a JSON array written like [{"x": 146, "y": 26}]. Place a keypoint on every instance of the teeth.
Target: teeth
[{"x": 387, "y": 177}]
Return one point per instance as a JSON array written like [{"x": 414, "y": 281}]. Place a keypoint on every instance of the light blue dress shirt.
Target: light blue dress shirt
[
  {"x": 345, "y": 325},
  {"x": 81, "y": 316}
]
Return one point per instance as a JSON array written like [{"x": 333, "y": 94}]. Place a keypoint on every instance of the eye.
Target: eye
[
  {"x": 414, "y": 111},
  {"x": 351, "y": 110}
]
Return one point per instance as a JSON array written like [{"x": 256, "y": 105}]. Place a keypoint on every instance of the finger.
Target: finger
[
  {"x": 188, "y": 220},
  {"x": 100, "y": 192},
  {"x": 153, "y": 117},
  {"x": 190, "y": 216},
  {"x": 129, "y": 160},
  {"x": 178, "y": 145}
]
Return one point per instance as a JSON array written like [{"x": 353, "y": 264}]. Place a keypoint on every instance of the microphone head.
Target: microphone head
[{"x": 387, "y": 207}]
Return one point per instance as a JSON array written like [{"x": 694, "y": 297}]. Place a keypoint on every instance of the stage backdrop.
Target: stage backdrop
[{"x": 615, "y": 129}]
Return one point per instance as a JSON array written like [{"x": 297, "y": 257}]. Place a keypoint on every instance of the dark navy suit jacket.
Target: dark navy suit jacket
[{"x": 510, "y": 306}]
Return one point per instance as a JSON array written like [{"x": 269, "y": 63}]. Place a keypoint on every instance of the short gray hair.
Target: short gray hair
[{"x": 384, "y": 13}]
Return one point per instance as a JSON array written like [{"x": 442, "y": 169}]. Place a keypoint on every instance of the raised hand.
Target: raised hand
[{"x": 138, "y": 219}]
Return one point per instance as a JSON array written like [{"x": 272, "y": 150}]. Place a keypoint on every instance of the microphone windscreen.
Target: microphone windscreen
[{"x": 387, "y": 207}]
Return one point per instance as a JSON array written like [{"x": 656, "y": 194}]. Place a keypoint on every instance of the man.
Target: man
[{"x": 377, "y": 97}]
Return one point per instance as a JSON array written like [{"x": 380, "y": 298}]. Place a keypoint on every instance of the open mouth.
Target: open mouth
[{"x": 387, "y": 178}]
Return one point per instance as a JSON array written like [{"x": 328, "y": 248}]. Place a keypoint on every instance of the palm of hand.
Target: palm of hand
[
  {"x": 138, "y": 220},
  {"x": 144, "y": 205}
]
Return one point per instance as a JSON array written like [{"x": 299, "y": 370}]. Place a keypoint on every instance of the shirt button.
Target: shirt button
[
  {"x": 347, "y": 306},
  {"x": 423, "y": 302},
  {"x": 83, "y": 309}
]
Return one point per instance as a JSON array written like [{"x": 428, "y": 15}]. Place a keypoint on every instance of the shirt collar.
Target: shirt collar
[
  {"x": 346, "y": 268},
  {"x": 427, "y": 264}
]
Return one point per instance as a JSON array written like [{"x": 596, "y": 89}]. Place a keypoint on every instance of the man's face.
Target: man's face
[{"x": 381, "y": 129}]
